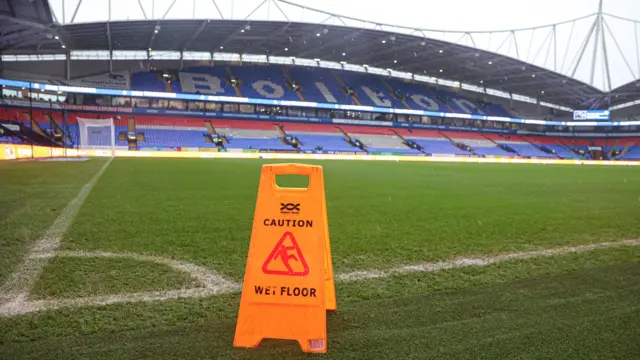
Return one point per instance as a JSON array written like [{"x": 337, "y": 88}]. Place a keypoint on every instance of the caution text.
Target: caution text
[{"x": 288, "y": 223}]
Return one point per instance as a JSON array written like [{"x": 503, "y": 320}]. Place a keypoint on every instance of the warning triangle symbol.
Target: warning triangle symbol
[{"x": 286, "y": 258}]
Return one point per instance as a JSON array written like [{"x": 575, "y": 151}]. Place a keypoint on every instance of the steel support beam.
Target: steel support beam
[
  {"x": 605, "y": 56},
  {"x": 502, "y": 44},
  {"x": 595, "y": 51},
  {"x": 32, "y": 24},
  {"x": 12, "y": 9},
  {"x": 50, "y": 14},
  {"x": 142, "y": 8},
  {"x": 615, "y": 41},
  {"x": 256, "y": 9},
  {"x": 169, "y": 9},
  {"x": 515, "y": 42},
  {"x": 218, "y": 9},
  {"x": 110, "y": 46},
  {"x": 533, "y": 32},
  {"x": 10, "y": 28},
  {"x": 75, "y": 12},
  {"x": 67, "y": 69},
  {"x": 35, "y": 40},
  {"x": 583, "y": 48},
  {"x": 635, "y": 32},
  {"x": 472, "y": 40},
  {"x": 547, "y": 38},
  {"x": 17, "y": 36},
  {"x": 285, "y": 15},
  {"x": 597, "y": 101},
  {"x": 555, "y": 50},
  {"x": 564, "y": 58}
]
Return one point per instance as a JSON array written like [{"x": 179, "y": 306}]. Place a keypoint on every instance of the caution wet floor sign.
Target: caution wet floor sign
[{"x": 288, "y": 281}]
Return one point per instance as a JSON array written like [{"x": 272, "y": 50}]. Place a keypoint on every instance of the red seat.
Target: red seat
[{"x": 303, "y": 127}]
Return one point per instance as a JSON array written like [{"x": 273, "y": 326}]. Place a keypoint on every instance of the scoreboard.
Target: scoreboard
[{"x": 591, "y": 115}]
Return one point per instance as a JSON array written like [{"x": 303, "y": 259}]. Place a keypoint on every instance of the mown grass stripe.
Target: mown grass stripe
[{"x": 15, "y": 290}]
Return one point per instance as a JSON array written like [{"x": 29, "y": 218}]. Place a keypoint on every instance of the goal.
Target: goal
[{"x": 97, "y": 134}]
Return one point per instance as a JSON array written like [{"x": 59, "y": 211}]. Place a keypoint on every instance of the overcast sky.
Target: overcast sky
[
  {"x": 474, "y": 14},
  {"x": 466, "y": 15}
]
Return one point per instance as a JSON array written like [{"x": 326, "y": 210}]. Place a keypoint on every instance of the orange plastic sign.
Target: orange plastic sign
[{"x": 288, "y": 281}]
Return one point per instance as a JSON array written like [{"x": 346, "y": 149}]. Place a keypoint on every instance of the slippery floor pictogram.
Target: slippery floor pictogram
[{"x": 286, "y": 258}]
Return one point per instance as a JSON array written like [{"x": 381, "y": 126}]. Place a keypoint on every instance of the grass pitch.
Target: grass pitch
[{"x": 381, "y": 215}]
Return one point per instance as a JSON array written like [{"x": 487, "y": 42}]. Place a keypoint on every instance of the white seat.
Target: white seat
[{"x": 380, "y": 141}]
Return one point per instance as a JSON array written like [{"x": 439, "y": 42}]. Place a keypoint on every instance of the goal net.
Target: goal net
[{"x": 97, "y": 134}]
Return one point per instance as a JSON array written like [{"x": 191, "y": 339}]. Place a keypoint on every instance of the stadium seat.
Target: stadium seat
[
  {"x": 439, "y": 147},
  {"x": 308, "y": 79},
  {"x": 316, "y": 84},
  {"x": 257, "y": 143},
  {"x": 527, "y": 150},
  {"x": 328, "y": 142}
]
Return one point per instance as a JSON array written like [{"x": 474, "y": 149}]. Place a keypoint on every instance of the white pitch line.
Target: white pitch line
[
  {"x": 16, "y": 289},
  {"x": 212, "y": 284},
  {"x": 218, "y": 285},
  {"x": 206, "y": 277},
  {"x": 43, "y": 305},
  {"x": 479, "y": 261}
]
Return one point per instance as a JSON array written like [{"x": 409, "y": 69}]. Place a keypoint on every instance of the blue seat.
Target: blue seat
[
  {"x": 307, "y": 79},
  {"x": 173, "y": 138},
  {"x": 327, "y": 142},
  {"x": 443, "y": 147},
  {"x": 493, "y": 151},
  {"x": 251, "y": 75},
  {"x": 407, "y": 151},
  {"x": 391, "y": 91},
  {"x": 258, "y": 143},
  {"x": 529, "y": 150},
  {"x": 633, "y": 153},
  {"x": 561, "y": 151}
]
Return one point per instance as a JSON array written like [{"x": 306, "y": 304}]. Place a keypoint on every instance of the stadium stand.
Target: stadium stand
[
  {"x": 319, "y": 85},
  {"x": 294, "y": 83},
  {"x": 175, "y": 132},
  {"x": 326, "y": 142},
  {"x": 316, "y": 84},
  {"x": 263, "y": 82}
]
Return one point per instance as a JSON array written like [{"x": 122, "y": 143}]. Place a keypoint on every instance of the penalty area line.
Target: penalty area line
[
  {"x": 216, "y": 285},
  {"x": 15, "y": 291},
  {"x": 479, "y": 261}
]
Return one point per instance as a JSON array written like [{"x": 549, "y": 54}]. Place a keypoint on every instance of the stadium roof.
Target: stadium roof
[{"x": 31, "y": 29}]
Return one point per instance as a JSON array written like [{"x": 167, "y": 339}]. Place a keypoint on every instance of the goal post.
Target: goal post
[{"x": 97, "y": 134}]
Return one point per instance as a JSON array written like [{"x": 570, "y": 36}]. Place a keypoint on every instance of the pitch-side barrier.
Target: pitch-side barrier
[{"x": 13, "y": 152}]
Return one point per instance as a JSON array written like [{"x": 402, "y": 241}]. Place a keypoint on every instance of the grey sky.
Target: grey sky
[
  {"x": 468, "y": 15},
  {"x": 476, "y": 15}
]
